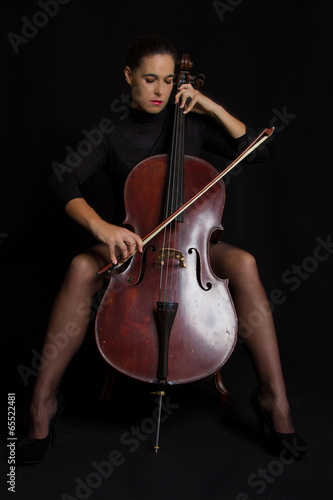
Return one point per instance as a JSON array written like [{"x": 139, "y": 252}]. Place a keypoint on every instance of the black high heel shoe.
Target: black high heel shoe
[
  {"x": 290, "y": 446},
  {"x": 32, "y": 451}
]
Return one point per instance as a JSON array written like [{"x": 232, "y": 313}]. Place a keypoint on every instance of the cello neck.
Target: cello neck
[{"x": 174, "y": 196}]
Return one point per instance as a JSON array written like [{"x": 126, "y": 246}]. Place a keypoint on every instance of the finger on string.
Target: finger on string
[
  {"x": 189, "y": 105},
  {"x": 186, "y": 99}
]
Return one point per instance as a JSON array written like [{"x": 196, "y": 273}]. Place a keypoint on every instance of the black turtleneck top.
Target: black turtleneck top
[{"x": 127, "y": 139}]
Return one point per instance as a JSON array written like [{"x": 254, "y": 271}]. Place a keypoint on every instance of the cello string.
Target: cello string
[
  {"x": 175, "y": 201},
  {"x": 168, "y": 208},
  {"x": 172, "y": 226},
  {"x": 179, "y": 190},
  {"x": 174, "y": 192},
  {"x": 179, "y": 196}
]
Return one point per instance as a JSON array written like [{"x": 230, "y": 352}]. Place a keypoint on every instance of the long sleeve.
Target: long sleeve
[
  {"x": 210, "y": 136},
  {"x": 91, "y": 154}
]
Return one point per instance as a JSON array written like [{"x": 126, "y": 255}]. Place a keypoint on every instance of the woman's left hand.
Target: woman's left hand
[{"x": 198, "y": 103}]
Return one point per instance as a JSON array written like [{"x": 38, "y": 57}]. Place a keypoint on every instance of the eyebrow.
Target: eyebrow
[{"x": 156, "y": 76}]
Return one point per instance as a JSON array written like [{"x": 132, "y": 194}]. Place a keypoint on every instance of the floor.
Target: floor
[{"x": 208, "y": 449}]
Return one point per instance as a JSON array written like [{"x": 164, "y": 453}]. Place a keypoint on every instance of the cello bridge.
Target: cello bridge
[{"x": 170, "y": 253}]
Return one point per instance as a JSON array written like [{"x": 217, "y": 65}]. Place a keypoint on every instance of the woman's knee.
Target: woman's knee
[
  {"x": 82, "y": 271},
  {"x": 231, "y": 262},
  {"x": 246, "y": 263}
]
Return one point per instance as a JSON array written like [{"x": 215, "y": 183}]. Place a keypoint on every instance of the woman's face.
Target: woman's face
[{"x": 151, "y": 83}]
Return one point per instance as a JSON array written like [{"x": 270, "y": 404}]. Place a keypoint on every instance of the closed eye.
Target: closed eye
[{"x": 150, "y": 80}]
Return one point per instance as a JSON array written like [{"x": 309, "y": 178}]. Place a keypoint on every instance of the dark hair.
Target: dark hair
[{"x": 146, "y": 46}]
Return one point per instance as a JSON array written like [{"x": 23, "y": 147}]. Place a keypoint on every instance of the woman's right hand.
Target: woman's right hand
[{"x": 120, "y": 241}]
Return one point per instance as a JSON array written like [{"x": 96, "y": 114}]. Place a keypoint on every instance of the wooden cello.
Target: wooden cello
[{"x": 166, "y": 318}]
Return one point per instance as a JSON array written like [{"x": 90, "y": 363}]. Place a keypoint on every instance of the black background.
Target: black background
[{"x": 269, "y": 64}]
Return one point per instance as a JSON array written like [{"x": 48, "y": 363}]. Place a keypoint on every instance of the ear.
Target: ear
[{"x": 128, "y": 75}]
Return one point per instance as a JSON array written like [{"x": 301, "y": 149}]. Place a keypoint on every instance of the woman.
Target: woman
[{"x": 144, "y": 132}]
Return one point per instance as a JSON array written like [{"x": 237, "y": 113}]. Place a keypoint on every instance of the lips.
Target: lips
[{"x": 157, "y": 103}]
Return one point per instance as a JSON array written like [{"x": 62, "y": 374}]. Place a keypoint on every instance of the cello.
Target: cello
[{"x": 165, "y": 317}]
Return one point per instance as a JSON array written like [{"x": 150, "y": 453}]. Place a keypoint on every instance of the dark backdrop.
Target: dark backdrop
[{"x": 267, "y": 62}]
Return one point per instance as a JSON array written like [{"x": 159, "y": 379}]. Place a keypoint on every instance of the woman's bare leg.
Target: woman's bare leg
[
  {"x": 256, "y": 328},
  {"x": 70, "y": 317},
  {"x": 66, "y": 331}
]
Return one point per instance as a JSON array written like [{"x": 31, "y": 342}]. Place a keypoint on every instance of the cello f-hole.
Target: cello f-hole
[
  {"x": 130, "y": 279},
  {"x": 198, "y": 269}
]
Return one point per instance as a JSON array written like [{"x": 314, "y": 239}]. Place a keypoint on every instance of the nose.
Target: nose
[{"x": 159, "y": 88}]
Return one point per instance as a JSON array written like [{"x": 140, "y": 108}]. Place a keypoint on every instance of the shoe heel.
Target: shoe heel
[
  {"x": 291, "y": 444},
  {"x": 32, "y": 451},
  {"x": 54, "y": 422}
]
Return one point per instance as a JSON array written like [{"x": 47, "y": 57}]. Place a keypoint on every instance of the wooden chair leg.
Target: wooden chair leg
[
  {"x": 108, "y": 383},
  {"x": 223, "y": 391}
]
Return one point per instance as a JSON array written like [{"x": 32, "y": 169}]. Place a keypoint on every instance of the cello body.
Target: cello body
[{"x": 197, "y": 334}]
